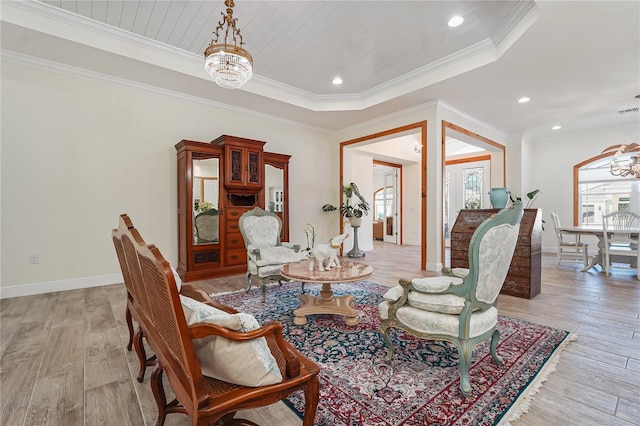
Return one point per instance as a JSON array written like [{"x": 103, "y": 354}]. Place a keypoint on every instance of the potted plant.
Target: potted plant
[{"x": 354, "y": 206}]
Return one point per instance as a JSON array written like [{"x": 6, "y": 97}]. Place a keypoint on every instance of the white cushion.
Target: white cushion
[
  {"x": 248, "y": 363},
  {"x": 444, "y": 303},
  {"x": 393, "y": 293},
  {"x": 435, "y": 284},
  {"x": 277, "y": 255},
  {"x": 439, "y": 323}
]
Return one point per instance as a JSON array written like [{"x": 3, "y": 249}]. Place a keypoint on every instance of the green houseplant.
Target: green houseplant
[{"x": 354, "y": 205}]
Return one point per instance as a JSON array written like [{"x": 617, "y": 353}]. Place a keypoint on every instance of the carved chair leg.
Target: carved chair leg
[
  {"x": 263, "y": 287},
  {"x": 142, "y": 354},
  {"x": 311, "y": 396},
  {"x": 127, "y": 316},
  {"x": 494, "y": 344},
  {"x": 249, "y": 283},
  {"x": 384, "y": 330},
  {"x": 464, "y": 353},
  {"x": 228, "y": 420},
  {"x": 145, "y": 362},
  {"x": 158, "y": 392}
]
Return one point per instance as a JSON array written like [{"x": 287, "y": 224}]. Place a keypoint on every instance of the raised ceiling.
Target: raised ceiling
[{"x": 579, "y": 62}]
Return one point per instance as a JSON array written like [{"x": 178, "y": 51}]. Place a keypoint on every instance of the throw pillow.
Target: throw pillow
[{"x": 248, "y": 363}]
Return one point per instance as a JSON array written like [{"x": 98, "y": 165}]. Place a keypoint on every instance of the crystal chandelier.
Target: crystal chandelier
[
  {"x": 621, "y": 166},
  {"x": 228, "y": 64}
]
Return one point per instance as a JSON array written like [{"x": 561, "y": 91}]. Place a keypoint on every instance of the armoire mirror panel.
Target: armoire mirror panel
[
  {"x": 206, "y": 201},
  {"x": 276, "y": 188}
]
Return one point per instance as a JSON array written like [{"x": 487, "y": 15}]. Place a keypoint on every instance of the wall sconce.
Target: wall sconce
[{"x": 417, "y": 148}]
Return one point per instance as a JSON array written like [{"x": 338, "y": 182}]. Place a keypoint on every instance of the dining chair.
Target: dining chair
[
  {"x": 618, "y": 238},
  {"x": 569, "y": 244}
]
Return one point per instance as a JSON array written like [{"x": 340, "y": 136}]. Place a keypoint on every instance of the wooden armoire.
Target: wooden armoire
[{"x": 217, "y": 183}]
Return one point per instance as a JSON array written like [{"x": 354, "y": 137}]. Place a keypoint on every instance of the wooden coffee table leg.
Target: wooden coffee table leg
[{"x": 326, "y": 303}]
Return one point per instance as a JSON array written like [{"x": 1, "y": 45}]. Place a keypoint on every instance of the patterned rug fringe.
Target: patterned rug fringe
[{"x": 522, "y": 405}]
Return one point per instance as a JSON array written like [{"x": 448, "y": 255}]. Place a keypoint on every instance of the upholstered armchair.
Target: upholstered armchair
[
  {"x": 266, "y": 254},
  {"x": 460, "y": 308}
]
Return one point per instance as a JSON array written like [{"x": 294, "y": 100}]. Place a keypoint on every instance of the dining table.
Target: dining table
[{"x": 598, "y": 231}]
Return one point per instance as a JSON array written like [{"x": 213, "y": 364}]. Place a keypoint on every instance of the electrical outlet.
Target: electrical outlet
[{"x": 34, "y": 259}]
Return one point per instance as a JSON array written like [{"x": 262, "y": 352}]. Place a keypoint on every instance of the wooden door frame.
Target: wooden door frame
[
  {"x": 448, "y": 125},
  {"x": 420, "y": 126}
]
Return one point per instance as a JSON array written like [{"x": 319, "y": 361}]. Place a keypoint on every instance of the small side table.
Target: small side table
[{"x": 355, "y": 251}]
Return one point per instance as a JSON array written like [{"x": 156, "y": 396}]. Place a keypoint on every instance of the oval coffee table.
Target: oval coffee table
[{"x": 326, "y": 303}]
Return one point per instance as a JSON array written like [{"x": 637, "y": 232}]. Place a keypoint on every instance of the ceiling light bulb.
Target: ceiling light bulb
[
  {"x": 337, "y": 81},
  {"x": 556, "y": 127},
  {"x": 523, "y": 100},
  {"x": 455, "y": 21}
]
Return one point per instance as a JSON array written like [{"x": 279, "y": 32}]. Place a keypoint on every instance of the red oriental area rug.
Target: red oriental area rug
[{"x": 420, "y": 384}]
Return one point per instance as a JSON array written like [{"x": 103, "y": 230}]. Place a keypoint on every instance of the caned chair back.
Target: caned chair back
[
  {"x": 260, "y": 228},
  {"x": 124, "y": 224},
  {"x": 162, "y": 318}
]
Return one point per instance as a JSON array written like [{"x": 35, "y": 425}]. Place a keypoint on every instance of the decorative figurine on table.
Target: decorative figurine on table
[{"x": 326, "y": 252}]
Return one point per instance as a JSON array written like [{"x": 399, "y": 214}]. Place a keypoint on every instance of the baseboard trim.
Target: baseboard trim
[{"x": 62, "y": 285}]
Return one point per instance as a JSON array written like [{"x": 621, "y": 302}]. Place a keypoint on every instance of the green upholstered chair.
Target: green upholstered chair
[
  {"x": 461, "y": 308},
  {"x": 266, "y": 254}
]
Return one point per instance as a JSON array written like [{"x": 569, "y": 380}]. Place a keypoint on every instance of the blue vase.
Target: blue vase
[{"x": 499, "y": 197}]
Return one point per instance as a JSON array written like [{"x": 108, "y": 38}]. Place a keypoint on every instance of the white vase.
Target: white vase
[{"x": 355, "y": 221}]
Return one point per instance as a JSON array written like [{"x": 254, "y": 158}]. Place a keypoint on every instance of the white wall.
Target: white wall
[
  {"x": 550, "y": 169},
  {"x": 78, "y": 152}
]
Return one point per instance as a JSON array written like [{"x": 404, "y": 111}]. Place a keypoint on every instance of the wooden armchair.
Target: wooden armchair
[
  {"x": 122, "y": 240},
  {"x": 204, "y": 399}
]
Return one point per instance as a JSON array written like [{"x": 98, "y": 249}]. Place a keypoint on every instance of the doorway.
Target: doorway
[
  {"x": 473, "y": 165},
  {"x": 400, "y": 147},
  {"x": 387, "y": 199}
]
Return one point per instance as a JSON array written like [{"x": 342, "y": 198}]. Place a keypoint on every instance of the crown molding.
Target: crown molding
[
  {"x": 51, "y": 66},
  {"x": 39, "y": 16}
]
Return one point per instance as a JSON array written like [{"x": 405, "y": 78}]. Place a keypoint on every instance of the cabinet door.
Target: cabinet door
[
  {"x": 236, "y": 164},
  {"x": 255, "y": 168},
  {"x": 245, "y": 166}
]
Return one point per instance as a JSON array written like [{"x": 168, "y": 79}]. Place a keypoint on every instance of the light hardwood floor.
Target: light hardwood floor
[{"x": 64, "y": 360}]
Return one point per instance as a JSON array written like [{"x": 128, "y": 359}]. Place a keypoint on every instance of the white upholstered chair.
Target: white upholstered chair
[
  {"x": 618, "y": 240},
  {"x": 460, "y": 309},
  {"x": 266, "y": 254},
  {"x": 569, "y": 244}
]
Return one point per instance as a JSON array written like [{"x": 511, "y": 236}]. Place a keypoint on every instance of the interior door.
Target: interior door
[
  {"x": 392, "y": 218},
  {"x": 467, "y": 186}
]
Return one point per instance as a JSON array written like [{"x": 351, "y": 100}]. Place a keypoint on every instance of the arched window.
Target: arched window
[
  {"x": 599, "y": 192},
  {"x": 383, "y": 203},
  {"x": 472, "y": 188}
]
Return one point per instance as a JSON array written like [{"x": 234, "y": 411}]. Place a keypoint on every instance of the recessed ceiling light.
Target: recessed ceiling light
[
  {"x": 523, "y": 99},
  {"x": 455, "y": 21},
  {"x": 556, "y": 127},
  {"x": 337, "y": 81}
]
